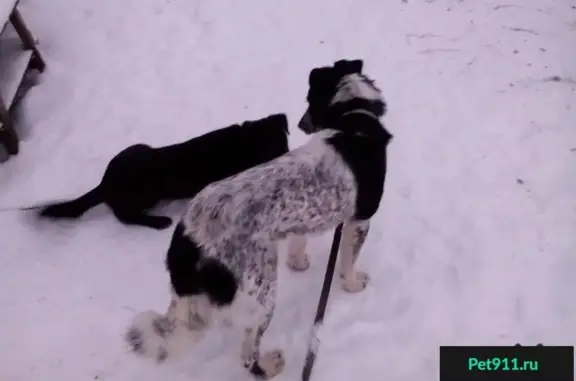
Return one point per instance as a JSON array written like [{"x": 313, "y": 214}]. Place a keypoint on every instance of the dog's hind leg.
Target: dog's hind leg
[
  {"x": 353, "y": 236},
  {"x": 263, "y": 289},
  {"x": 271, "y": 363},
  {"x": 142, "y": 218},
  {"x": 297, "y": 258}
]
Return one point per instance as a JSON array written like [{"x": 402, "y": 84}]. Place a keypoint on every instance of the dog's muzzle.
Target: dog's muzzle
[{"x": 306, "y": 124}]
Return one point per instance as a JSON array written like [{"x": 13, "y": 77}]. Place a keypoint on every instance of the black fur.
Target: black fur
[
  {"x": 191, "y": 274},
  {"x": 363, "y": 147},
  {"x": 257, "y": 371},
  {"x": 140, "y": 176}
]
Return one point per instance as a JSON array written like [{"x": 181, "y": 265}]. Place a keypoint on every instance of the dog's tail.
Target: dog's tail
[{"x": 74, "y": 208}]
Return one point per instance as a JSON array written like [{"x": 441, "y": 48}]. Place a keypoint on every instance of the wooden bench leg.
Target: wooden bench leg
[
  {"x": 37, "y": 62},
  {"x": 8, "y": 135}
]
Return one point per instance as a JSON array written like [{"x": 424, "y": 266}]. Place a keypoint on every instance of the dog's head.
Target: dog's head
[{"x": 342, "y": 86}]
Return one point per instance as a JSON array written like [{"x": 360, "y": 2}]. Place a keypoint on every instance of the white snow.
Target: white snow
[{"x": 474, "y": 242}]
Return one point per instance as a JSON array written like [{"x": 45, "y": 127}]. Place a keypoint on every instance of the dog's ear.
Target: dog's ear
[
  {"x": 317, "y": 76},
  {"x": 279, "y": 121},
  {"x": 349, "y": 66},
  {"x": 314, "y": 76},
  {"x": 321, "y": 77}
]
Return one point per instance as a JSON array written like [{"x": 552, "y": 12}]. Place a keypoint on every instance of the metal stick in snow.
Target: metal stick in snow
[{"x": 314, "y": 341}]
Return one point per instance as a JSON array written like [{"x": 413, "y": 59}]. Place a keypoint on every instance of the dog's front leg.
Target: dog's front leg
[
  {"x": 353, "y": 236},
  {"x": 270, "y": 363},
  {"x": 297, "y": 258}
]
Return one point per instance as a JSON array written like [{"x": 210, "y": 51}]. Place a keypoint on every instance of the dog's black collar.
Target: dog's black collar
[{"x": 361, "y": 111}]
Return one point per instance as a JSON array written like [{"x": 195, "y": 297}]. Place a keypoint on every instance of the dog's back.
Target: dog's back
[
  {"x": 271, "y": 198},
  {"x": 188, "y": 167}
]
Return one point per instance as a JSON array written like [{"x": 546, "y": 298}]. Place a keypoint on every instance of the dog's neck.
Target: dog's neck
[
  {"x": 356, "y": 93},
  {"x": 374, "y": 129}
]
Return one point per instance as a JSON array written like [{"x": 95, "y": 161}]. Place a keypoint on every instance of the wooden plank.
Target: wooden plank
[
  {"x": 27, "y": 39},
  {"x": 13, "y": 64},
  {"x": 6, "y": 8},
  {"x": 8, "y": 137}
]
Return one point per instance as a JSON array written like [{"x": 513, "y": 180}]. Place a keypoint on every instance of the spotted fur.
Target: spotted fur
[{"x": 224, "y": 250}]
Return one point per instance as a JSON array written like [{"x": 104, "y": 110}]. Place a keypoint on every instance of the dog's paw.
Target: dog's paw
[
  {"x": 355, "y": 283},
  {"x": 135, "y": 339},
  {"x": 160, "y": 222},
  {"x": 271, "y": 363},
  {"x": 298, "y": 262}
]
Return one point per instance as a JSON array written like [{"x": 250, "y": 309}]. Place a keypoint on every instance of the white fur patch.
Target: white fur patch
[
  {"x": 244, "y": 310},
  {"x": 152, "y": 345},
  {"x": 355, "y": 86}
]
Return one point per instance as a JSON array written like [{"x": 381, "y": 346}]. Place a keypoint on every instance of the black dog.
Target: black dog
[{"x": 140, "y": 176}]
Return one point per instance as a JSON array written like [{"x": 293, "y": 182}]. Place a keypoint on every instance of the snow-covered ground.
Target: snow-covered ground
[{"x": 474, "y": 243}]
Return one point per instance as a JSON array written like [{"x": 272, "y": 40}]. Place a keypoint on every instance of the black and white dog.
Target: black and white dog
[
  {"x": 224, "y": 250},
  {"x": 139, "y": 177}
]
